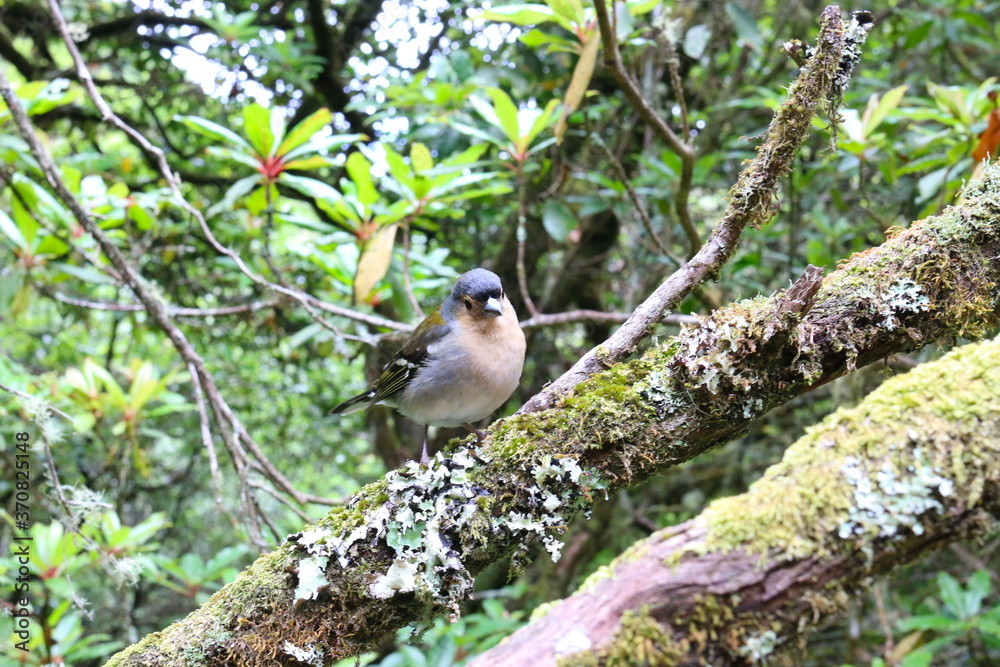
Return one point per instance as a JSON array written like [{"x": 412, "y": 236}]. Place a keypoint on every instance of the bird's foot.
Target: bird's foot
[{"x": 480, "y": 435}]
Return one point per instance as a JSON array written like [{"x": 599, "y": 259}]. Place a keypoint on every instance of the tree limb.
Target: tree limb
[{"x": 872, "y": 488}]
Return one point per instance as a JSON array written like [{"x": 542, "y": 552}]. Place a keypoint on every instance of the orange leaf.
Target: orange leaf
[{"x": 989, "y": 141}]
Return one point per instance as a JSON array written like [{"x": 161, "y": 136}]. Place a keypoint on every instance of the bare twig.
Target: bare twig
[
  {"x": 206, "y": 431},
  {"x": 21, "y": 394},
  {"x": 682, "y": 147},
  {"x": 522, "y": 238},
  {"x": 175, "y": 311},
  {"x": 407, "y": 282},
  {"x": 883, "y": 619},
  {"x": 752, "y": 200},
  {"x": 573, "y": 316},
  {"x": 281, "y": 499},
  {"x": 639, "y": 206}
]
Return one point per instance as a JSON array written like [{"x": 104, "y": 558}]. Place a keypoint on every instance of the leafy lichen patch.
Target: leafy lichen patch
[
  {"x": 869, "y": 475},
  {"x": 431, "y": 512}
]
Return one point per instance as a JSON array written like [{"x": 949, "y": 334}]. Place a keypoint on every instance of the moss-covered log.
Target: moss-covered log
[
  {"x": 409, "y": 545},
  {"x": 910, "y": 469}
]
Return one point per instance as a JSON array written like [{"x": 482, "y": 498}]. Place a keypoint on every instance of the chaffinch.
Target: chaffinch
[{"x": 459, "y": 365}]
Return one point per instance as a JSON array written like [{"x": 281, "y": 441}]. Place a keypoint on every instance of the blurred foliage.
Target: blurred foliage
[{"x": 367, "y": 156}]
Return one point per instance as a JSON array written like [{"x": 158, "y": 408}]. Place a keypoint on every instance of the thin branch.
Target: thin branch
[
  {"x": 175, "y": 311},
  {"x": 752, "y": 203},
  {"x": 573, "y": 316},
  {"x": 206, "y": 431},
  {"x": 407, "y": 281},
  {"x": 281, "y": 499},
  {"x": 639, "y": 206},
  {"x": 522, "y": 237},
  {"x": 683, "y": 149},
  {"x": 613, "y": 60},
  {"x": 21, "y": 394}
]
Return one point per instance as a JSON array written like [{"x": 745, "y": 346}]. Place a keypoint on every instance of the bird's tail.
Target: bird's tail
[{"x": 359, "y": 402}]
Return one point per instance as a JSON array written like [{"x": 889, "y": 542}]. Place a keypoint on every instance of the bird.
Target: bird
[{"x": 458, "y": 366}]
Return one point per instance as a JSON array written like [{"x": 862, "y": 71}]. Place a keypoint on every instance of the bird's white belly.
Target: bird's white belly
[{"x": 464, "y": 392}]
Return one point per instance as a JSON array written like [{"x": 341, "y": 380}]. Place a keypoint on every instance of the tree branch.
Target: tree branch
[
  {"x": 872, "y": 488},
  {"x": 683, "y": 148}
]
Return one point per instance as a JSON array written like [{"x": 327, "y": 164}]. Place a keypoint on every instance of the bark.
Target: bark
[
  {"x": 408, "y": 546},
  {"x": 871, "y": 488}
]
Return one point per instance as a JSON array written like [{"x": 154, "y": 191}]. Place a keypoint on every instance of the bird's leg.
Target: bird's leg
[
  {"x": 480, "y": 436},
  {"x": 423, "y": 457}
]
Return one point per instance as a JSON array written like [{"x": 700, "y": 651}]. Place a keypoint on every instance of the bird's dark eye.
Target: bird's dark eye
[{"x": 468, "y": 305}]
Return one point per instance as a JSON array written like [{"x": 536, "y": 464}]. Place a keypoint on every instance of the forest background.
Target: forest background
[{"x": 337, "y": 166}]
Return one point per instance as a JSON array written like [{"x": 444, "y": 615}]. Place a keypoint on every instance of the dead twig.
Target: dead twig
[{"x": 681, "y": 147}]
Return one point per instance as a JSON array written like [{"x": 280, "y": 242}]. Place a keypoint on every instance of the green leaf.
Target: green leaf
[
  {"x": 639, "y": 7},
  {"x": 360, "y": 171},
  {"x": 506, "y": 113},
  {"x": 143, "y": 386},
  {"x": 257, "y": 127},
  {"x": 919, "y": 658},
  {"x": 304, "y": 130},
  {"x": 213, "y": 130},
  {"x": 305, "y": 164},
  {"x": 936, "y": 622},
  {"x": 746, "y": 26},
  {"x": 977, "y": 590},
  {"x": 247, "y": 158},
  {"x": 420, "y": 158},
  {"x": 323, "y": 144},
  {"x": 558, "y": 220},
  {"x": 479, "y": 134},
  {"x": 237, "y": 190},
  {"x": 519, "y": 14},
  {"x": 571, "y": 10},
  {"x": 327, "y": 199},
  {"x": 536, "y": 38},
  {"x": 110, "y": 384},
  {"x": 879, "y": 108},
  {"x": 541, "y": 122},
  {"x": 12, "y": 232},
  {"x": 84, "y": 273},
  {"x": 256, "y": 203},
  {"x": 142, "y": 219}
]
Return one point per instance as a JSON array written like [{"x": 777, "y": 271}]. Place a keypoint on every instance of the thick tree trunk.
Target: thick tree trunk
[
  {"x": 409, "y": 545},
  {"x": 910, "y": 469}
]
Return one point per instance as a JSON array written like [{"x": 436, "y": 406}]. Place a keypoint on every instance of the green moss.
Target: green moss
[
  {"x": 860, "y": 474},
  {"x": 640, "y": 640}
]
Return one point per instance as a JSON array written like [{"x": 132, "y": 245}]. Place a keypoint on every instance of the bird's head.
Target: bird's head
[{"x": 478, "y": 295}]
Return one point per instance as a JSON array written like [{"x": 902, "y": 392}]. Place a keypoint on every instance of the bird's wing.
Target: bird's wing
[{"x": 403, "y": 367}]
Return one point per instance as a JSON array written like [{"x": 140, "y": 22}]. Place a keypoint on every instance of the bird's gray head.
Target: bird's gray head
[{"x": 478, "y": 291}]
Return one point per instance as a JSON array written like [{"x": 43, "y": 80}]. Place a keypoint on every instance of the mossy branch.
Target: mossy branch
[
  {"x": 869, "y": 489},
  {"x": 408, "y": 546}
]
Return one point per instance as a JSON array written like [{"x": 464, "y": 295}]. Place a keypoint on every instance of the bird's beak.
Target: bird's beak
[{"x": 493, "y": 308}]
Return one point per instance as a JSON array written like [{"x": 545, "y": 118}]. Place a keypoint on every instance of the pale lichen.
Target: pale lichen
[{"x": 425, "y": 513}]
